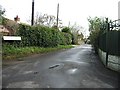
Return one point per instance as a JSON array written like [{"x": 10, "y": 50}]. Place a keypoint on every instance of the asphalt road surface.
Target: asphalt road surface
[{"x": 78, "y": 67}]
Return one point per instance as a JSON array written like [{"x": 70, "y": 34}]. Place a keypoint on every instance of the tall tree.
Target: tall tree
[
  {"x": 2, "y": 12},
  {"x": 96, "y": 27},
  {"x": 76, "y": 31}
]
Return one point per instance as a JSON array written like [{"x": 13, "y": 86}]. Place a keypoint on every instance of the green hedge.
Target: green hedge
[{"x": 41, "y": 36}]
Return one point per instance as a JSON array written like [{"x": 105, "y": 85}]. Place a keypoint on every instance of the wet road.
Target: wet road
[{"x": 78, "y": 67}]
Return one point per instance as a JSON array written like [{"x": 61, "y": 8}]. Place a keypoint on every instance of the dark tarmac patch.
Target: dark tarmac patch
[
  {"x": 20, "y": 59},
  {"x": 54, "y": 66},
  {"x": 36, "y": 72}
]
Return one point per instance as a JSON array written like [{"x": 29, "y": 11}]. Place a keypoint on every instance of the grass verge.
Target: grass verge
[{"x": 10, "y": 52}]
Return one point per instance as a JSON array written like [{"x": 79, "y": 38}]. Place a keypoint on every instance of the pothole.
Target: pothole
[
  {"x": 54, "y": 66},
  {"x": 36, "y": 72},
  {"x": 57, "y": 66}
]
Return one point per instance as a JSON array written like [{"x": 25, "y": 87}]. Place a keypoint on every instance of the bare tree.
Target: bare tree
[
  {"x": 2, "y": 11},
  {"x": 77, "y": 33},
  {"x": 46, "y": 20}
]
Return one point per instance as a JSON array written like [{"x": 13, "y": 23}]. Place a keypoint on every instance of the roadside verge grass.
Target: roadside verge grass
[{"x": 10, "y": 52}]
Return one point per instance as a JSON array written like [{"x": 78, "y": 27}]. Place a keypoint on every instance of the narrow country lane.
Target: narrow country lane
[{"x": 78, "y": 67}]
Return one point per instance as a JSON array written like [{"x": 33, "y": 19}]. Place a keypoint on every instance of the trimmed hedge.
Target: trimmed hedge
[{"x": 41, "y": 36}]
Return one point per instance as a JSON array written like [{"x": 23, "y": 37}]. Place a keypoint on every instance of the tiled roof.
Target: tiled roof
[
  {"x": 3, "y": 29},
  {"x": 9, "y": 27}
]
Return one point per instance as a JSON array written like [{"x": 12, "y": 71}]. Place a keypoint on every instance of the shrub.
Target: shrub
[{"x": 41, "y": 36}]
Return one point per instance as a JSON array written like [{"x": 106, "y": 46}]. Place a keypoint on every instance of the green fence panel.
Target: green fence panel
[
  {"x": 113, "y": 42},
  {"x": 102, "y": 42}
]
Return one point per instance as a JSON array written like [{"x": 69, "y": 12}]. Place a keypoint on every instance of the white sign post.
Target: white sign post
[{"x": 9, "y": 38}]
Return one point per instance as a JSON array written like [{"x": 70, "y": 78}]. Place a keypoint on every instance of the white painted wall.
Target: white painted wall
[
  {"x": 102, "y": 56},
  {"x": 113, "y": 61}
]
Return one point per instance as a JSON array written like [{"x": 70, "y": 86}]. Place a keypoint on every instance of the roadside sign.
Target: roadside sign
[{"x": 10, "y": 38}]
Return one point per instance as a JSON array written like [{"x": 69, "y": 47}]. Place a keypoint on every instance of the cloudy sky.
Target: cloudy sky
[{"x": 73, "y": 11}]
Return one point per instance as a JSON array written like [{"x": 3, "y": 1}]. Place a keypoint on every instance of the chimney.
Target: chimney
[{"x": 16, "y": 18}]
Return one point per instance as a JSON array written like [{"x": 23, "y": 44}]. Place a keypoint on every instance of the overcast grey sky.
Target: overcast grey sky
[{"x": 70, "y": 10}]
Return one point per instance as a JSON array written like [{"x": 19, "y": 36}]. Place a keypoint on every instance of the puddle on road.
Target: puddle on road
[
  {"x": 30, "y": 72},
  {"x": 27, "y": 72},
  {"x": 75, "y": 61},
  {"x": 72, "y": 71}
]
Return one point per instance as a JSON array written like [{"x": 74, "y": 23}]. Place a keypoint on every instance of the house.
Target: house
[
  {"x": 10, "y": 26},
  {"x": 4, "y": 30}
]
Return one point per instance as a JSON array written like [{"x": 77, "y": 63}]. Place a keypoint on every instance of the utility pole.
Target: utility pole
[
  {"x": 107, "y": 48},
  {"x": 32, "y": 18},
  {"x": 57, "y": 14},
  {"x": 119, "y": 10},
  {"x": 119, "y": 13}
]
